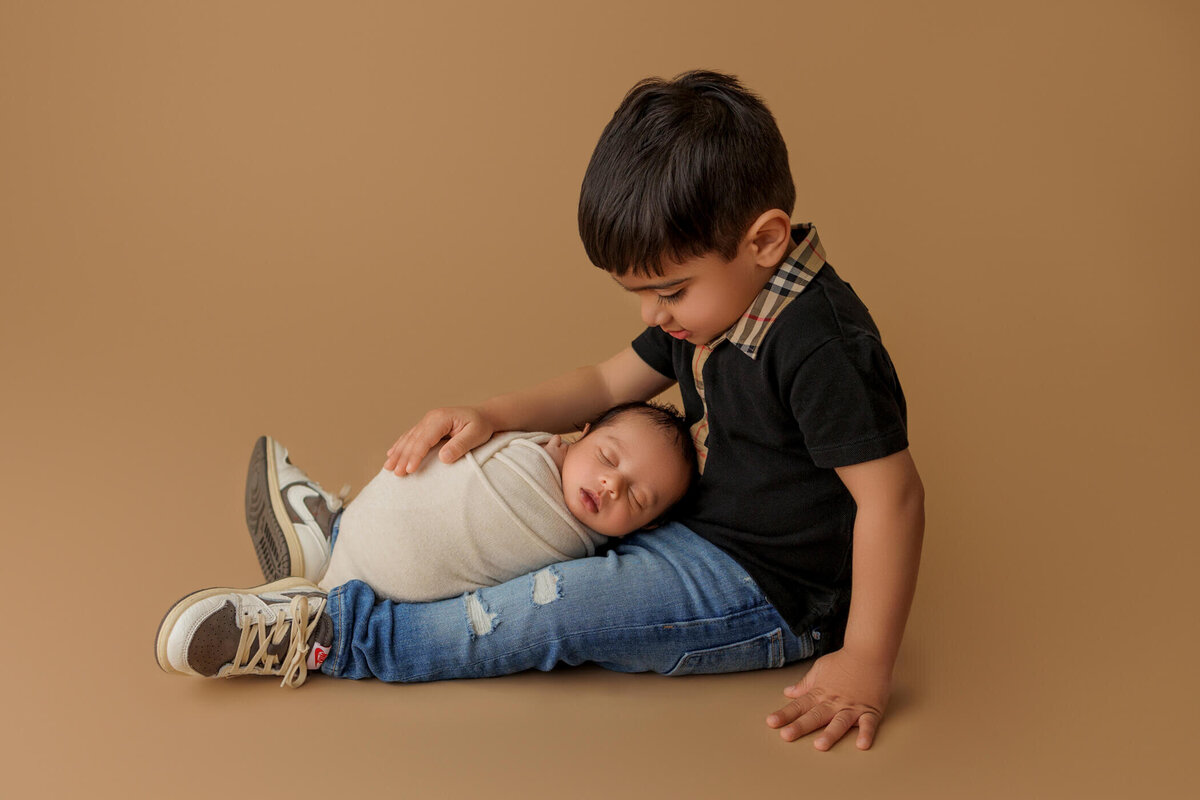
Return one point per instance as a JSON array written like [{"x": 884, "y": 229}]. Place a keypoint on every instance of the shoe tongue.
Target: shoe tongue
[{"x": 322, "y": 634}]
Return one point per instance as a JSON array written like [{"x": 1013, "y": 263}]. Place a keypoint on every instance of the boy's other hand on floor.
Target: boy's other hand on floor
[
  {"x": 466, "y": 428},
  {"x": 839, "y": 692}
]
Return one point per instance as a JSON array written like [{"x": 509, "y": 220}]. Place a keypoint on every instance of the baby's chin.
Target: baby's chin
[{"x": 581, "y": 516}]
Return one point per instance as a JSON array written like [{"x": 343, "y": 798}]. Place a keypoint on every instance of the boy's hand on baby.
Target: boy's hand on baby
[
  {"x": 839, "y": 692},
  {"x": 465, "y": 427}
]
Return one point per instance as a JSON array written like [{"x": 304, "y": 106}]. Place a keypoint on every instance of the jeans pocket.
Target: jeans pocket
[{"x": 761, "y": 652}]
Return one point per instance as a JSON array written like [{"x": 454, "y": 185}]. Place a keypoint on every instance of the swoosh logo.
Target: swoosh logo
[{"x": 296, "y": 495}]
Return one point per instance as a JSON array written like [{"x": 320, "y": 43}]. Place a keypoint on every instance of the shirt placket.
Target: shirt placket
[{"x": 700, "y": 428}]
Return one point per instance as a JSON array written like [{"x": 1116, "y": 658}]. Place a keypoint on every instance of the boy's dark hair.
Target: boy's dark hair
[
  {"x": 667, "y": 418},
  {"x": 680, "y": 171}
]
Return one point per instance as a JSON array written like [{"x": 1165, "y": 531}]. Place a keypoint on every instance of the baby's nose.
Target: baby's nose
[{"x": 612, "y": 484}]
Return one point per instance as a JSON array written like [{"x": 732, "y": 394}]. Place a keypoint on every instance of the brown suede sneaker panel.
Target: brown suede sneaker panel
[
  {"x": 215, "y": 641},
  {"x": 321, "y": 513},
  {"x": 317, "y": 507}
]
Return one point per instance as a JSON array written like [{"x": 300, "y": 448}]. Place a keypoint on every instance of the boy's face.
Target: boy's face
[
  {"x": 701, "y": 298},
  {"x": 620, "y": 478}
]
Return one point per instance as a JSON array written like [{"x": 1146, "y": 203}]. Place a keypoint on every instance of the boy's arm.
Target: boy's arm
[
  {"x": 851, "y": 686},
  {"x": 557, "y": 406}
]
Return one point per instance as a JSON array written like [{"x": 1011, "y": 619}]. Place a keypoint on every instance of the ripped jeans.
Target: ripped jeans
[{"x": 664, "y": 601}]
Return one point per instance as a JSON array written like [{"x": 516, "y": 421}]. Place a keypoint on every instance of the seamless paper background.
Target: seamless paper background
[{"x": 319, "y": 220}]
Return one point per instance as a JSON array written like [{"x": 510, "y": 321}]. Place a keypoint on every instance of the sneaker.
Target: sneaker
[
  {"x": 278, "y": 628},
  {"x": 289, "y": 515}
]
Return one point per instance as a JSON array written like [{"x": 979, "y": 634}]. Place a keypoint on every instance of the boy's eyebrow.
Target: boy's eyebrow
[{"x": 662, "y": 285}]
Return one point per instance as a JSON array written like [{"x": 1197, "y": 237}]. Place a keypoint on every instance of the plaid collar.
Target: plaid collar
[{"x": 789, "y": 280}]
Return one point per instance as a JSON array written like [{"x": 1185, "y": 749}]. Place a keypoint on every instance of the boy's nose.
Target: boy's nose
[
  {"x": 612, "y": 484},
  {"x": 653, "y": 315}
]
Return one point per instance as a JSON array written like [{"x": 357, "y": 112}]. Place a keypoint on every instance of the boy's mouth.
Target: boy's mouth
[
  {"x": 680, "y": 334},
  {"x": 589, "y": 500}
]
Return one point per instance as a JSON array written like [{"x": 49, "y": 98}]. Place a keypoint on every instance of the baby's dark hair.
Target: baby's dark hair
[
  {"x": 667, "y": 418},
  {"x": 682, "y": 170}
]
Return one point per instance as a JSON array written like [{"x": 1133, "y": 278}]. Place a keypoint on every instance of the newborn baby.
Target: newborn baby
[{"x": 509, "y": 507}]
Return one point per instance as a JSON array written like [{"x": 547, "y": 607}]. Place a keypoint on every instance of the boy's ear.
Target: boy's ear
[{"x": 770, "y": 238}]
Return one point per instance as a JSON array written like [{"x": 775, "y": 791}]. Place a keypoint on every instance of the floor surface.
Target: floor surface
[{"x": 319, "y": 221}]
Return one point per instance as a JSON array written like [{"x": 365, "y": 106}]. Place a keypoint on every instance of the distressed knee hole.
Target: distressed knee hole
[
  {"x": 545, "y": 587},
  {"x": 482, "y": 621}
]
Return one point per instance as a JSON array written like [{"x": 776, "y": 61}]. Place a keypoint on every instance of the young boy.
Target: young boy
[
  {"x": 510, "y": 507},
  {"x": 805, "y": 534}
]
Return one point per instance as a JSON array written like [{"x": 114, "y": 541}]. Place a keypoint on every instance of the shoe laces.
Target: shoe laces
[{"x": 295, "y": 623}]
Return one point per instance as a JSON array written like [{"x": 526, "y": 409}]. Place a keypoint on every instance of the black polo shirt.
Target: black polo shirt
[{"x": 784, "y": 398}]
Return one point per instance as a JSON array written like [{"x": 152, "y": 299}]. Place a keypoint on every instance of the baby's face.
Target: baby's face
[{"x": 620, "y": 478}]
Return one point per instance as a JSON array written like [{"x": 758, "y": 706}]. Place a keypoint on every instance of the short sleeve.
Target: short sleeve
[
  {"x": 848, "y": 403},
  {"x": 653, "y": 346}
]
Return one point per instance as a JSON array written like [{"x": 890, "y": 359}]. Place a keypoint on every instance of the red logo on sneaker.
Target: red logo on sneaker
[{"x": 318, "y": 656}]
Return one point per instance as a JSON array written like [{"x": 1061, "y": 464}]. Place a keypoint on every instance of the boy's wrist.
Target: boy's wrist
[
  {"x": 870, "y": 654},
  {"x": 491, "y": 416}
]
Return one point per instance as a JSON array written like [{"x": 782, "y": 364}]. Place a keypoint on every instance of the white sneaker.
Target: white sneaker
[
  {"x": 278, "y": 628},
  {"x": 289, "y": 515}
]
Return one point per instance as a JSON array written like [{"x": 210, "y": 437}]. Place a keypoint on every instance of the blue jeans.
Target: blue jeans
[{"x": 665, "y": 601}]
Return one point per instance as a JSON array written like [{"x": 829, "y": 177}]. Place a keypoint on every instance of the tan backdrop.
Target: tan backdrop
[{"x": 318, "y": 220}]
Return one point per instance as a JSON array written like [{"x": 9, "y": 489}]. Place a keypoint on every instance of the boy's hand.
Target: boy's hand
[
  {"x": 466, "y": 427},
  {"x": 839, "y": 692}
]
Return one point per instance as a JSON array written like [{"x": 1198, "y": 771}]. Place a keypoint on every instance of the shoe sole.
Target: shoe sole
[
  {"x": 271, "y": 531},
  {"x": 184, "y": 603}
]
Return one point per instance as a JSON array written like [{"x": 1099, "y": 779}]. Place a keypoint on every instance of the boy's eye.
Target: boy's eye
[{"x": 674, "y": 297}]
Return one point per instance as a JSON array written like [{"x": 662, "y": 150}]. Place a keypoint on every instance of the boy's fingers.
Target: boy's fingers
[
  {"x": 835, "y": 730},
  {"x": 406, "y": 460},
  {"x": 462, "y": 442},
  {"x": 417, "y": 444},
  {"x": 807, "y": 723},
  {"x": 453, "y": 450},
  {"x": 394, "y": 453},
  {"x": 790, "y": 712},
  {"x": 868, "y": 723}
]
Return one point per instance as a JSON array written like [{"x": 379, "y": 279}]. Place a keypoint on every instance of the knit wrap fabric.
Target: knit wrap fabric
[{"x": 495, "y": 514}]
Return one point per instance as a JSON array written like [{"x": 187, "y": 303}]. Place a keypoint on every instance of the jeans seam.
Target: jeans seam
[
  {"x": 339, "y": 628},
  {"x": 776, "y": 652}
]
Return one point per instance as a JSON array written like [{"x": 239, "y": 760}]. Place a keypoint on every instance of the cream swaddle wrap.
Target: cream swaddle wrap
[{"x": 495, "y": 514}]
